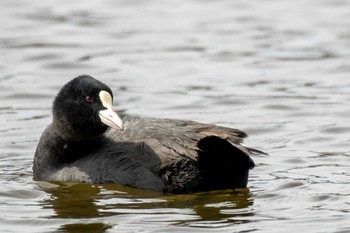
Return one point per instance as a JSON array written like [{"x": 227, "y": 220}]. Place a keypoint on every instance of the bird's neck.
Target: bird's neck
[
  {"x": 56, "y": 149},
  {"x": 71, "y": 148}
]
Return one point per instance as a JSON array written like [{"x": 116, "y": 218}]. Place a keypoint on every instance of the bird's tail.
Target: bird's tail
[{"x": 223, "y": 165}]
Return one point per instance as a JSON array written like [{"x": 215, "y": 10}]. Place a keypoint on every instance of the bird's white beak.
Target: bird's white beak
[{"x": 108, "y": 116}]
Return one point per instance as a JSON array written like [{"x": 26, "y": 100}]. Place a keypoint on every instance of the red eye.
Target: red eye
[{"x": 89, "y": 99}]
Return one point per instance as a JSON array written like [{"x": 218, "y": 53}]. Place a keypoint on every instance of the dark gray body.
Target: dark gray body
[{"x": 164, "y": 155}]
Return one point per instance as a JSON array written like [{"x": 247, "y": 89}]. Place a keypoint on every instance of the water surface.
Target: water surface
[{"x": 278, "y": 70}]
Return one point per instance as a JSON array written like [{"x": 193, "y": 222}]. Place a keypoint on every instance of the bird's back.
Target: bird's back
[{"x": 188, "y": 156}]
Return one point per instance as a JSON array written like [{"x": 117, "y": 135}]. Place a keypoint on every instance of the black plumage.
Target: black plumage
[{"x": 163, "y": 155}]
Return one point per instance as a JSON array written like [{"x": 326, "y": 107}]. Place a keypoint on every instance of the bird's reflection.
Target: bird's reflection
[
  {"x": 88, "y": 208},
  {"x": 215, "y": 206}
]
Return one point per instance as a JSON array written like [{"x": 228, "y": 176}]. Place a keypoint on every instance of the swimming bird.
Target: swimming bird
[{"x": 89, "y": 142}]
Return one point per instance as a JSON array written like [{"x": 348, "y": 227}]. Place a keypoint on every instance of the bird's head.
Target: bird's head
[{"x": 83, "y": 108}]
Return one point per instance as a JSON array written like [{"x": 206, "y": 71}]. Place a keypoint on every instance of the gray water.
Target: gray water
[{"x": 278, "y": 70}]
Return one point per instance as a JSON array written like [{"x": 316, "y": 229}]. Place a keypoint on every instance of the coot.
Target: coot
[{"x": 88, "y": 142}]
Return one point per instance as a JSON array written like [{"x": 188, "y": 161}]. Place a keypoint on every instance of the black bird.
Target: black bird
[{"x": 163, "y": 155}]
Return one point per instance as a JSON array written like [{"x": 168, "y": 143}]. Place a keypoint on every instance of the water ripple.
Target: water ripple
[{"x": 276, "y": 69}]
